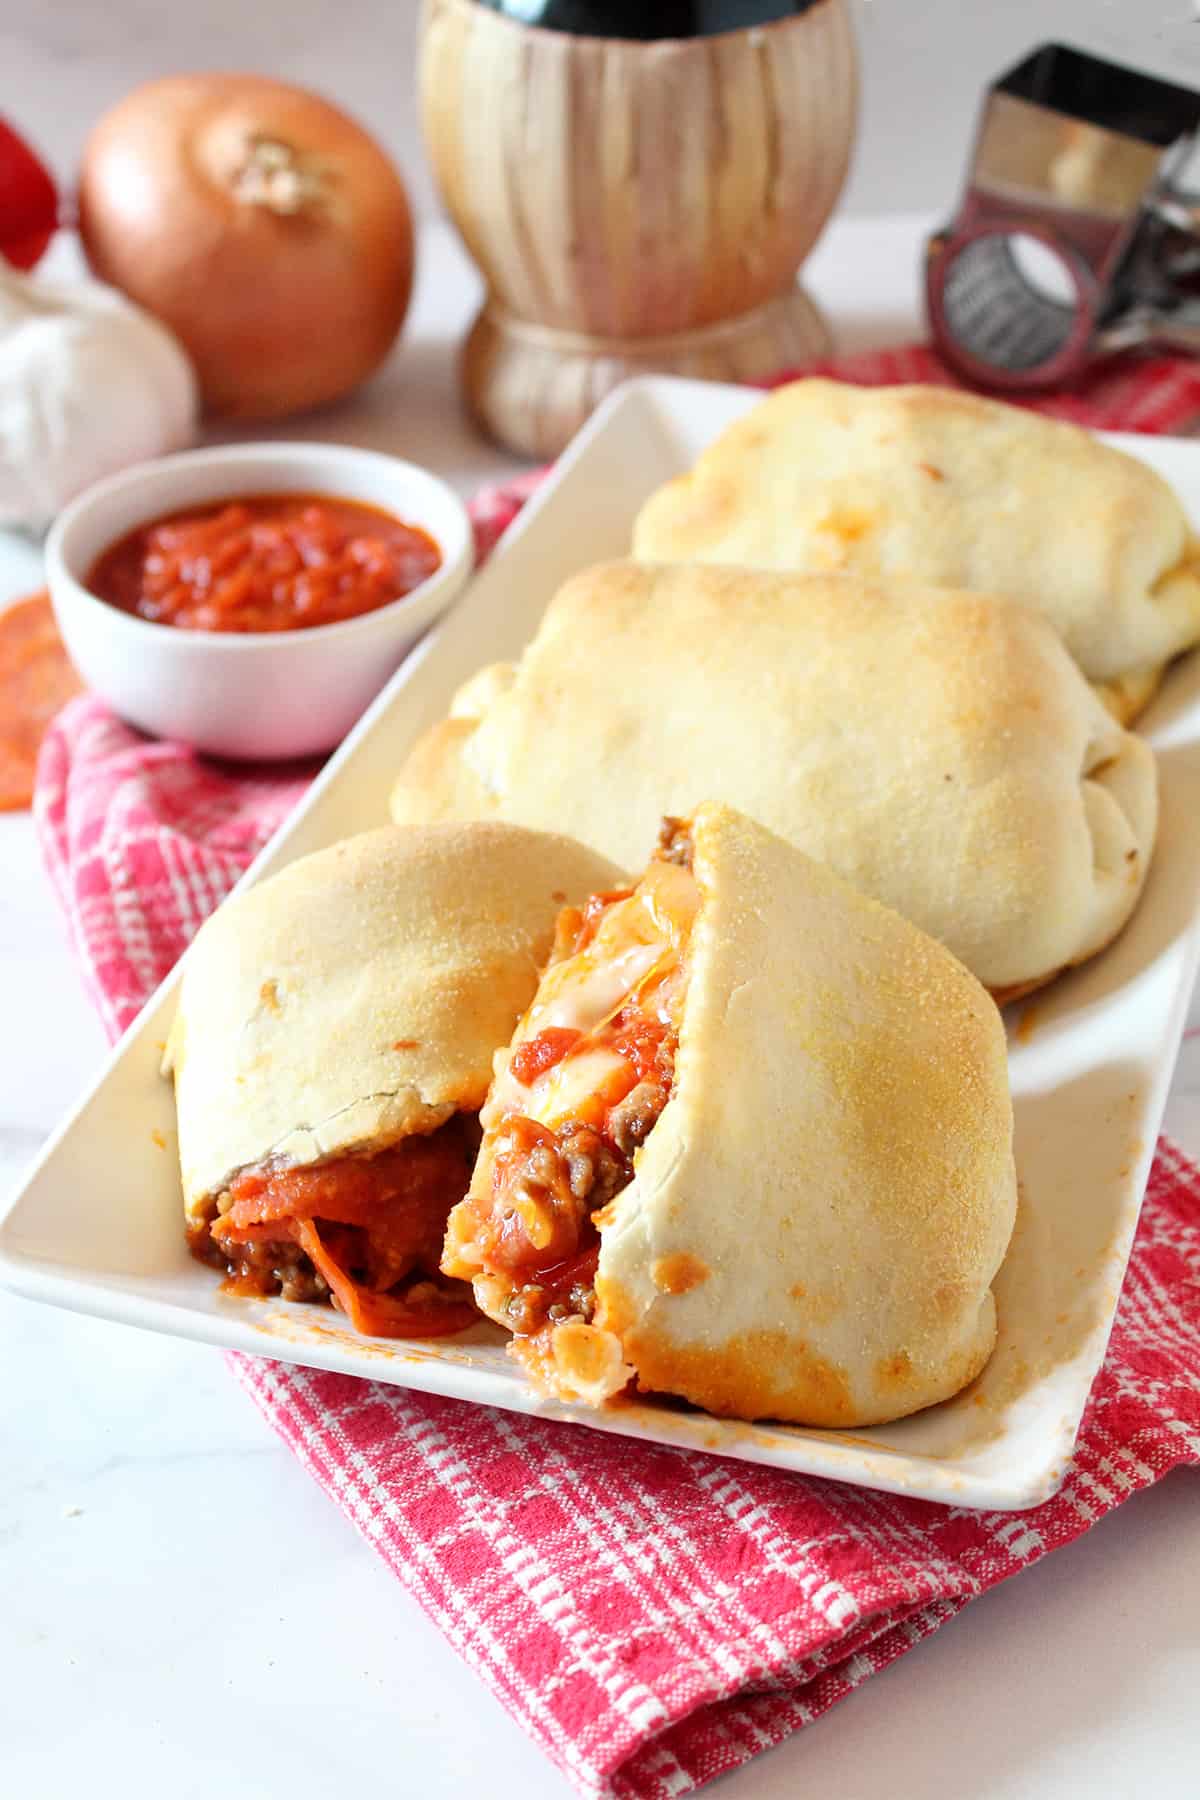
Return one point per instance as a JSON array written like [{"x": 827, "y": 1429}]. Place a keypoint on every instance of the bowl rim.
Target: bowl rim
[{"x": 457, "y": 558}]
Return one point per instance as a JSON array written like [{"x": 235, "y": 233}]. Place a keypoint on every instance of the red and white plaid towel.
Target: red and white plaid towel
[{"x": 652, "y": 1617}]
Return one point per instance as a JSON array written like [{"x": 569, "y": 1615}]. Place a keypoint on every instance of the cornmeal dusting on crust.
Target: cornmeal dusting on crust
[
  {"x": 893, "y": 1371},
  {"x": 751, "y": 1375},
  {"x": 819, "y": 1305}
]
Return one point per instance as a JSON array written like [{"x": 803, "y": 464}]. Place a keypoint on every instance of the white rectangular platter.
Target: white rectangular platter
[{"x": 97, "y": 1225}]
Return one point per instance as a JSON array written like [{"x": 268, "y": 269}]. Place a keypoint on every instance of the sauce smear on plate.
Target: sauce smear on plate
[{"x": 264, "y": 562}]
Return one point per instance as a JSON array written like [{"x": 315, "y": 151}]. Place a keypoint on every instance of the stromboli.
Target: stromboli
[
  {"x": 949, "y": 489},
  {"x": 939, "y": 750},
  {"x": 335, "y": 1023},
  {"x": 804, "y": 1220}
]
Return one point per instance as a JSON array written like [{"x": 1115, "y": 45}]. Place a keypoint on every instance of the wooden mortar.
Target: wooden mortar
[{"x": 633, "y": 206}]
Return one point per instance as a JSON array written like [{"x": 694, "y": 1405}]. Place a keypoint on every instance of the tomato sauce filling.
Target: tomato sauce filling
[
  {"x": 264, "y": 562},
  {"x": 548, "y": 1183},
  {"x": 574, "y": 1103},
  {"x": 361, "y": 1232}
]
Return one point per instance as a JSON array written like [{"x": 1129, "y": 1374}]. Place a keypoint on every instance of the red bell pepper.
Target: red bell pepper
[{"x": 28, "y": 201}]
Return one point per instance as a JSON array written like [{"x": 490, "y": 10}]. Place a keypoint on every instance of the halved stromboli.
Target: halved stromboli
[
  {"x": 926, "y": 484},
  {"x": 940, "y": 751},
  {"x": 331, "y": 1049},
  {"x": 751, "y": 1145}
]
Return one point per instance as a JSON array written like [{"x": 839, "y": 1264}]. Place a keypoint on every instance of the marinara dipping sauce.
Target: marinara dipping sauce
[{"x": 264, "y": 562}]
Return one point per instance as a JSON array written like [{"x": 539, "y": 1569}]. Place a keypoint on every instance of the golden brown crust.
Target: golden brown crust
[
  {"x": 358, "y": 996},
  {"x": 1127, "y": 696},
  {"x": 941, "y": 751},
  {"x": 437, "y": 782},
  {"x": 837, "y": 1155},
  {"x": 1021, "y": 990},
  {"x": 486, "y": 685},
  {"x": 753, "y": 1375},
  {"x": 926, "y": 484}
]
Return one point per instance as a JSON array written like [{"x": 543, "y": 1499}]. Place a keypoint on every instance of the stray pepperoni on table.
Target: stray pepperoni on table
[
  {"x": 36, "y": 679},
  {"x": 264, "y": 562}
]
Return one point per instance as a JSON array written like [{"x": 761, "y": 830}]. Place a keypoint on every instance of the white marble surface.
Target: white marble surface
[{"x": 180, "y": 1609}]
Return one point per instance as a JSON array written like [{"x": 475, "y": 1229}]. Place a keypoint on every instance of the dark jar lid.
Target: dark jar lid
[{"x": 647, "y": 19}]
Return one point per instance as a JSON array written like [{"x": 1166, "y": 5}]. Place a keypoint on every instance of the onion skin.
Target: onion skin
[{"x": 284, "y": 297}]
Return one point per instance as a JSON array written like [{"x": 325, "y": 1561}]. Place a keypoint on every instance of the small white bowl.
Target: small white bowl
[{"x": 260, "y": 694}]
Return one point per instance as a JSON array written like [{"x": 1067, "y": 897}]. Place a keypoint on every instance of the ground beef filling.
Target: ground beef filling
[
  {"x": 363, "y": 1233},
  {"x": 548, "y": 1185},
  {"x": 589, "y": 1074},
  {"x": 675, "y": 842},
  {"x": 256, "y": 1268}
]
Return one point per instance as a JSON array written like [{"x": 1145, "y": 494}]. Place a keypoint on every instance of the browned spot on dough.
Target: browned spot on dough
[
  {"x": 767, "y": 1374},
  {"x": 268, "y": 994},
  {"x": 407, "y": 1044},
  {"x": 933, "y": 474},
  {"x": 1131, "y": 856},
  {"x": 558, "y": 897},
  {"x": 848, "y": 523},
  {"x": 678, "y": 1273},
  {"x": 821, "y": 1304},
  {"x": 946, "y": 1301},
  {"x": 156, "y": 1137},
  {"x": 893, "y": 1371}
]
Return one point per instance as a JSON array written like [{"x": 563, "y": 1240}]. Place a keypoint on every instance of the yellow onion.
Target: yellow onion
[{"x": 266, "y": 228}]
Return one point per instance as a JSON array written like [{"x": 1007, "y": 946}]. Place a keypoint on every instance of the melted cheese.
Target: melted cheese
[
  {"x": 564, "y": 1092},
  {"x": 640, "y": 937},
  {"x": 583, "y": 992}
]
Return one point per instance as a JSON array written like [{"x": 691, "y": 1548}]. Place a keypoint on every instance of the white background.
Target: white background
[
  {"x": 924, "y": 65},
  {"x": 181, "y": 1611}
]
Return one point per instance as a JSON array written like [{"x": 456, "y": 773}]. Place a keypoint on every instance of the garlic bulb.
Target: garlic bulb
[{"x": 88, "y": 385}]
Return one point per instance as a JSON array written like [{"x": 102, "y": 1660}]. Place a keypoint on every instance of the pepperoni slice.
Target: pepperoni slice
[{"x": 36, "y": 679}]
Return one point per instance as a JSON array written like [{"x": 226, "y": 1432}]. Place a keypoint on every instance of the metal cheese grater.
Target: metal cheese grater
[{"x": 1076, "y": 236}]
